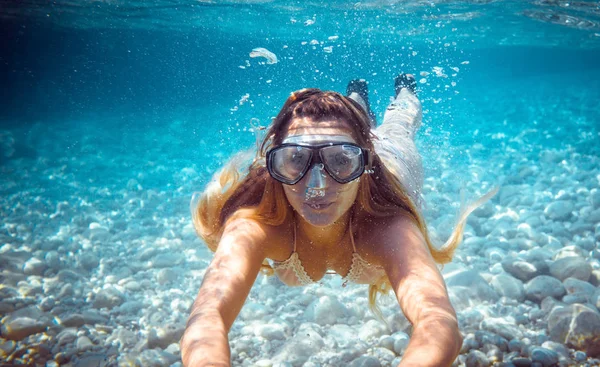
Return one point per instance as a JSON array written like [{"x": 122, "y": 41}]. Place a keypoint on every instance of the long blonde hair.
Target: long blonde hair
[{"x": 249, "y": 191}]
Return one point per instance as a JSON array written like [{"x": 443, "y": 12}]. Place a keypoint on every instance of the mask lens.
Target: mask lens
[
  {"x": 289, "y": 163},
  {"x": 344, "y": 162}
]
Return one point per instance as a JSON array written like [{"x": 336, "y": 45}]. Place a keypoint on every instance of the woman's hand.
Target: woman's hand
[
  {"x": 421, "y": 293},
  {"x": 224, "y": 289}
]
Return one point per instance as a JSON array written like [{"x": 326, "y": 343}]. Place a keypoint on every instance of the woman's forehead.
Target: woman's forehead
[
  {"x": 318, "y": 138},
  {"x": 324, "y": 130}
]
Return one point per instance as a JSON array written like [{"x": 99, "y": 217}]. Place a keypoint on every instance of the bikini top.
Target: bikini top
[{"x": 292, "y": 273}]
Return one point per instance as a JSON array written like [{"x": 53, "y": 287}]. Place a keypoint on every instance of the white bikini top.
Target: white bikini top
[{"x": 292, "y": 273}]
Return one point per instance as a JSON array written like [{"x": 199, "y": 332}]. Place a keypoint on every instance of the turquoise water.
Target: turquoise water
[{"x": 114, "y": 113}]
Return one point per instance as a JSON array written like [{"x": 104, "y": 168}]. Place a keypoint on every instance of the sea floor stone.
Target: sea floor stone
[
  {"x": 325, "y": 310},
  {"x": 24, "y": 322},
  {"x": 163, "y": 337},
  {"x": 573, "y": 267},
  {"x": 365, "y": 361},
  {"x": 301, "y": 347},
  {"x": 508, "y": 286},
  {"x": 544, "y": 286},
  {"x": 577, "y": 326}
]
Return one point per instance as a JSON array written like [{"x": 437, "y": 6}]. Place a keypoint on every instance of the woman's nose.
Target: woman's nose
[{"x": 317, "y": 179}]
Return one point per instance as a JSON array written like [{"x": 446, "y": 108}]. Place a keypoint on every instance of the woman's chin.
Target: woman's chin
[{"x": 318, "y": 219}]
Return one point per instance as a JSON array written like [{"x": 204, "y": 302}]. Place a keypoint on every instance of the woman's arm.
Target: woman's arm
[
  {"x": 224, "y": 289},
  {"x": 422, "y": 295}
]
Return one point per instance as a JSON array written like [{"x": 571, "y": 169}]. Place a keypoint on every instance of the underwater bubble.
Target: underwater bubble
[{"x": 263, "y": 52}]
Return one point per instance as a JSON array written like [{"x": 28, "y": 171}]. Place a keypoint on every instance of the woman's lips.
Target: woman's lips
[{"x": 318, "y": 205}]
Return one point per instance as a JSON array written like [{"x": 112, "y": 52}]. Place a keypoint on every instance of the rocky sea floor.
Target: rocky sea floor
[{"x": 99, "y": 262}]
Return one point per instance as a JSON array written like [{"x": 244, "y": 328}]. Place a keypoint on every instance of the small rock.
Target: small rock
[
  {"x": 514, "y": 345},
  {"x": 594, "y": 198},
  {"x": 508, "y": 286},
  {"x": 469, "y": 342},
  {"x": 485, "y": 337},
  {"x": 580, "y": 356},
  {"x": 325, "y": 310},
  {"x": 73, "y": 320},
  {"x": 21, "y": 327},
  {"x": 52, "y": 259},
  {"x": 84, "y": 343},
  {"x": 383, "y": 355},
  {"x": 24, "y": 322},
  {"x": 521, "y": 362},
  {"x": 467, "y": 286},
  {"x": 573, "y": 267},
  {"x": 501, "y": 327},
  {"x": 66, "y": 275},
  {"x": 68, "y": 335},
  {"x": 371, "y": 329},
  {"x": 92, "y": 317},
  {"x": 365, "y": 361},
  {"x": 543, "y": 286},
  {"x": 573, "y": 285},
  {"x": 559, "y": 210},
  {"x": 343, "y": 335},
  {"x": 557, "y": 347},
  {"x": 165, "y": 276},
  {"x": 164, "y": 337},
  {"x": 253, "y": 311},
  {"x": 88, "y": 261},
  {"x": 576, "y": 325},
  {"x": 65, "y": 291},
  {"x": 301, "y": 347},
  {"x": 132, "y": 286},
  {"x": 493, "y": 353},
  {"x": 263, "y": 363},
  {"x": 126, "y": 339},
  {"x": 47, "y": 303},
  {"x": 155, "y": 358},
  {"x": 7, "y": 347},
  {"x": 108, "y": 297},
  {"x": 92, "y": 360},
  {"x": 476, "y": 358},
  {"x": 167, "y": 260},
  {"x": 400, "y": 342},
  {"x": 272, "y": 331},
  {"x": 386, "y": 342},
  {"x": 34, "y": 266},
  {"x": 544, "y": 356},
  {"x": 522, "y": 269},
  {"x": 584, "y": 332}
]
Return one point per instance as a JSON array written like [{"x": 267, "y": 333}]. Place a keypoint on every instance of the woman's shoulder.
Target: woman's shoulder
[
  {"x": 368, "y": 223},
  {"x": 274, "y": 238},
  {"x": 372, "y": 230}
]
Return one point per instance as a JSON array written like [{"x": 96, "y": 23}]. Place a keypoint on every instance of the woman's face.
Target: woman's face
[{"x": 317, "y": 197}]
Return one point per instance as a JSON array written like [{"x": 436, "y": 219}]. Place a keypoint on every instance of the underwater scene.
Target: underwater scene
[{"x": 116, "y": 115}]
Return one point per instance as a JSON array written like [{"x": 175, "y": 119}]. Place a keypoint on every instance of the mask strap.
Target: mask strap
[{"x": 369, "y": 168}]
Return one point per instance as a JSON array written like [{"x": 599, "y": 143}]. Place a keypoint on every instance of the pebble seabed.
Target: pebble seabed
[{"x": 99, "y": 270}]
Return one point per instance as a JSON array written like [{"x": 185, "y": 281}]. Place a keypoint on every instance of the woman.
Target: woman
[{"x": 326, "y": 192}]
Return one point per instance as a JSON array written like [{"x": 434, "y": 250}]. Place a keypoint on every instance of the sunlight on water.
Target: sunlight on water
[{"x": 117, "y": 113}]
